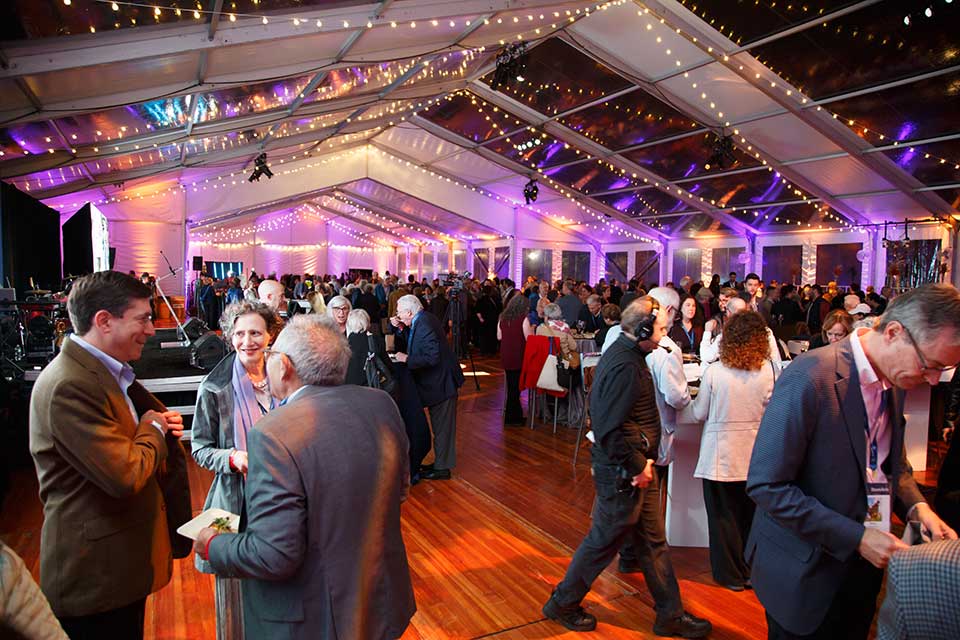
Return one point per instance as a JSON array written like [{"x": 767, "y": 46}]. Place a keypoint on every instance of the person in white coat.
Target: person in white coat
[{"x": 732, "y": 398}]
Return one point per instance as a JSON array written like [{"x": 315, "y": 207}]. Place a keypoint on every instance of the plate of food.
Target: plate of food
[{"x": 221, "y": 520}]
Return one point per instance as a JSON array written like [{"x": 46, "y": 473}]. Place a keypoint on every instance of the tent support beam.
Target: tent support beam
[
  {"x": 603, "y": 153},
  {"x": 748, "y": 68},
  {"x": 554, "y": 224},
  {"x": 519, "y": 169}
]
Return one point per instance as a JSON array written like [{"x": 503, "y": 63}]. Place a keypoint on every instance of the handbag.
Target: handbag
[
  {"x": 376, "y": 371},
  {"x": 554, "y": 376}
]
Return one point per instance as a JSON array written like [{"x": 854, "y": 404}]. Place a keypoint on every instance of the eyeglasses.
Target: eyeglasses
[
  {"x": 923, "y": 361},
  {"x": 340, "y": 308}
]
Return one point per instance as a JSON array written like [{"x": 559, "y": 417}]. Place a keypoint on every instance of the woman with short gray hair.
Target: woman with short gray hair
[{"x": 338, "y": 310}]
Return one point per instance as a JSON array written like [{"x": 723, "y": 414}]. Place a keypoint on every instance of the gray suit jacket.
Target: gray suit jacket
[
  {"x": 322, "y": 551},
  {"x": 807, "y": 476}
]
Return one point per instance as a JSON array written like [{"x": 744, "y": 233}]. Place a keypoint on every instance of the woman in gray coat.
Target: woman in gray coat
[{"x": 230, "y": 401}]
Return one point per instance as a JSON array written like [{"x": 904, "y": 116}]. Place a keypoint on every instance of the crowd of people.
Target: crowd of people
[{"x": 807, "y": 525}]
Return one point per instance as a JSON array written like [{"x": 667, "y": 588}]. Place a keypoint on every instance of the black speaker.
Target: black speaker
[
  {"x": 194, "y": 328},
  {"x": 208, "y": 351},
  {"x": 113, "y": 257},
  {"x": 198, "y": 263}
]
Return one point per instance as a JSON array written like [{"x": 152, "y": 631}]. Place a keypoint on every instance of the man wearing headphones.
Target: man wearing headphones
[{"x": 626, "y": 426}]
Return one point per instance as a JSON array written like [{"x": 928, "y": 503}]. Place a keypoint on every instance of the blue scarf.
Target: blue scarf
[{"x": 246, "y": 409}]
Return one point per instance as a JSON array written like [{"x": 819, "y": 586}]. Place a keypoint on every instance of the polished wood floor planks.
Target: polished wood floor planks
[{"x": 485, "y": 548}]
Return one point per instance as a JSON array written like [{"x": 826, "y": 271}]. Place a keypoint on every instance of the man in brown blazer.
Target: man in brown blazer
[{"x": 105, "y": 543}]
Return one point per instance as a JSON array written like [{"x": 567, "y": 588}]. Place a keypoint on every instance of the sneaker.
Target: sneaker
[
  {"x": 573, "y": 619},
  {"x": 684, "y": 626}
]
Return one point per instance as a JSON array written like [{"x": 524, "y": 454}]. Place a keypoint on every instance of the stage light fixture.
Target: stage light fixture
[
  {"x": 260, "y": 168},
  {"x": 531, "y": 191},
  {"x": 511, "y": 65},
  {"x": 722, "y": 154},
  {"x": 906, "y": 234}
]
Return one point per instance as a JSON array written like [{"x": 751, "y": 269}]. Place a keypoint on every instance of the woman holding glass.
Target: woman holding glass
[{"x": 230, "y": 401}]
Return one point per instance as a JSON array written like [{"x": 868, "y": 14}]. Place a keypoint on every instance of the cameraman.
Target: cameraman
[{"x": 627, "y": 506}]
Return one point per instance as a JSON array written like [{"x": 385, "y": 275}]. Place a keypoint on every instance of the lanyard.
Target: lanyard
[
  {"x": 874, "y": 432},
  {"x": 689, "y": 335}
]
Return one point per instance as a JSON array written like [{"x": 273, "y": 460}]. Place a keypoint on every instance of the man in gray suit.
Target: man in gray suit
[
  {"x": 322, "y": 551},
  {"x": 831, "y": 441}
]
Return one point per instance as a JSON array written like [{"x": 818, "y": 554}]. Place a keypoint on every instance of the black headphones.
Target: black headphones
[{"x": 645, "y": 328}]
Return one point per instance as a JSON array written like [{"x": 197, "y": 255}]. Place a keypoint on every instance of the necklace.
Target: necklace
[{"x": 262, "y": 385}]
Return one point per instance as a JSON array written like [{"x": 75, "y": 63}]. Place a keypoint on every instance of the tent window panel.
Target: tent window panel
[
  {"x": 481, "y": 263},
  {"x": 726, "y": 260},
  {"x": 501, "y": 259},
  {"x": 537, "y": 263},
  {"x": 647, "y": 267},
  {"x": 576, "y": 265},
  {"x": 838, "y": 262},
  {"x": 686, "y": 262},
  {"x": 616, "y": 267},
  {"x": 782, "y": 264},
  {"x": 459, "y": 261}
]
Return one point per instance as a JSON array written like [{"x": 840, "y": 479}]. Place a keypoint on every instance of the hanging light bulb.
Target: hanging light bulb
[
  {"x": 115, "y": 6},
  {"x": 928, "y": 12}
]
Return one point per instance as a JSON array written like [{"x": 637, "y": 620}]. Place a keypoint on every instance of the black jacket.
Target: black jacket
[
  {"x": 359, "y": 347},
  {"x": 369, "y": 303},
  {"x": 591, "y": 323},
  {"x": 434, "y": 367},
  {"x": 623, "y": 408}
]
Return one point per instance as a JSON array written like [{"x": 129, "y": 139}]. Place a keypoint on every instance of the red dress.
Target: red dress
[{"x": 512, "y": 343}]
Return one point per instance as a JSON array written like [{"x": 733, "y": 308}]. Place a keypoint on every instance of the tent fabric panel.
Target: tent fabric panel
[
  {"x": 840, "y": 176},
  {"x": 625, "y": 35},
  {"x": 141, "y": 77}
]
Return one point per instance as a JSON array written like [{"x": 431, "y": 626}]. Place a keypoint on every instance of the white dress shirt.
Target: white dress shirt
[
  {"x": 878, "y": 419},
  {"x": 121, "y": 371}
]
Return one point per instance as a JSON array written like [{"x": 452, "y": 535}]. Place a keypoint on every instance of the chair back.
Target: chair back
[{"x": 534, "y": 355}]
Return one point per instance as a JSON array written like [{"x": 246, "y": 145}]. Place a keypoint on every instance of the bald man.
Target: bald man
[{"x": 271, "y": 294}]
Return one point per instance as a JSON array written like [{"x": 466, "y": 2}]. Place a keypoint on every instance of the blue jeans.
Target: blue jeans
[{"x": 628, "y": 517}]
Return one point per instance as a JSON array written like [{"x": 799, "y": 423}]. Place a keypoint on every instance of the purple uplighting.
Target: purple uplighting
[{"x": 691, "y": 170}]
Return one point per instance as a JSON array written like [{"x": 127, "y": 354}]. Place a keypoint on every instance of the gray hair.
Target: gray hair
[
  {"x": 667, "y": 297},
  {"x": 593, "y": 298},
  {"x": 242, "y": 308},
  {"x": 367, "y": 288},
  {"x": 338, "y": 301},
  {"x": 925, "y": 311},
  {"x": 358, "y": 321},
  {"x": 410, "y": 303},
  {"x": 552, "y": 311},
  {"x": 316, "y": 348},
  {"x": 850, "y": 302},
  {"x": 638, "y": 311}
]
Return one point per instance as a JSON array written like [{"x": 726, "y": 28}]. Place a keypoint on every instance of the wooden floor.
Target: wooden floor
[{"x": 485, "y": 549}]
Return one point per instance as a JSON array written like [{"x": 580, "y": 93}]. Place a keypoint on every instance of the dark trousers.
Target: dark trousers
[
  {"x": 443, "y": 421},
  {"x": 513, "y": 411},
  {"x": 851, "y": 612},
  {"x": 729, "y": 516},
  {"x": 627, "y": 517},
  {"x": 414, "y": 420},
  {"x": 125, "y": 623}
]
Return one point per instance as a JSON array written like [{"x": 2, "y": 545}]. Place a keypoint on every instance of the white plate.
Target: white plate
[{"x": 192, "y": 529}]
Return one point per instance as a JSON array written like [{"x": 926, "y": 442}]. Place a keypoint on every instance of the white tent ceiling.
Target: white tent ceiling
[{"x": 382, "y": 114}]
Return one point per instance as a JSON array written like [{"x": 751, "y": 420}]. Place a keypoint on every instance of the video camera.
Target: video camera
[{"x": 455, "y": 281}]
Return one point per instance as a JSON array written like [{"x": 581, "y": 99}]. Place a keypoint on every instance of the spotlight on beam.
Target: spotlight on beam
[
  {"x": 260, "y": 168},
  {"x": 722, "y": 154},
  {"x": 531, "y": 191},
  {"x": 511, "y": 65}
]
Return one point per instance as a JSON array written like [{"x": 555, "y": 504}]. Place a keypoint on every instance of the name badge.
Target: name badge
[{"x": 878, "y": 506}]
